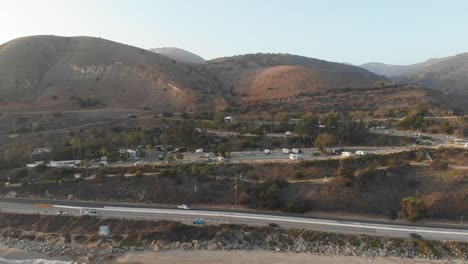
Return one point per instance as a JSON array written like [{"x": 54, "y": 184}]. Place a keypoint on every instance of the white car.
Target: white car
[
  {"x": 183, "y": 207},
  {"x": 466, "y": 145}
]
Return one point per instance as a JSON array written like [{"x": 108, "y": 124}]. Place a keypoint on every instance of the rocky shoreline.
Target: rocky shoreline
[
  {"x": 53, "y": 236},
  {"x": 274, "y": 243}
]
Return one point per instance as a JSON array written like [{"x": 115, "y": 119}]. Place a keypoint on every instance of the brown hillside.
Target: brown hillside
[
  {"x": 47, "y": 71},
  {"x": 274, "y": 76}
]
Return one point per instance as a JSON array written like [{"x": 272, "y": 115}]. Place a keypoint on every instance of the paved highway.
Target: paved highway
[{"x": 254, "y": 219}]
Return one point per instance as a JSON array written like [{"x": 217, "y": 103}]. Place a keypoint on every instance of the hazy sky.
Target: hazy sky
[{"x": 354, "y": 31}]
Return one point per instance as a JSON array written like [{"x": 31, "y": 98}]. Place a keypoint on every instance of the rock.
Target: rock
[{"x": 212, "y": 246}]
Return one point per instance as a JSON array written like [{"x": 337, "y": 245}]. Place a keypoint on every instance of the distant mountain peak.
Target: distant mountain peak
[{"x": 178, "y": 54}]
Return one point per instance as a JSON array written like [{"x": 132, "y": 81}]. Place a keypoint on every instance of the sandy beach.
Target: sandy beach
[{"x": 259, "y": 257}]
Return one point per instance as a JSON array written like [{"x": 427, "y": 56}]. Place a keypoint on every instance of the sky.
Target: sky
[{"x": 351, "y": 31}]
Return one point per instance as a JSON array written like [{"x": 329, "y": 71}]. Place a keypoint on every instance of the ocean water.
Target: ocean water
[{"x": 32, "y": 261}]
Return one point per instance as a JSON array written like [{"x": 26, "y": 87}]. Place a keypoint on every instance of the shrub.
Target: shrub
[
  {"x": 412, "y": 208},
  {"x": 439, "y": 165}
]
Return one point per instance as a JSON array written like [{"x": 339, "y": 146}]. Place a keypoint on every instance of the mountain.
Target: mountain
[
  {"x": 448, "y": 75},
  {"x": 296, "y": 83},
  {"x": 391, "y": 71},
  {"x": 179, "y": 55},
  {"x": 273, "y": 76},
  {"x": 68, "y": 72},
  {"x": 52, "y": 73}
]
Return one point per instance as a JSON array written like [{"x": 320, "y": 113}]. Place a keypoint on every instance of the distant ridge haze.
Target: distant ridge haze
[
  {"x": 448, "y": 75},
  {"x": 179, "y": 55}
]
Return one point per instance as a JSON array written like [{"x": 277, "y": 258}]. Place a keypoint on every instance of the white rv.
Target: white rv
[
  {"x": 346, "y": 154},
  {"x": 361, "y": 153}
]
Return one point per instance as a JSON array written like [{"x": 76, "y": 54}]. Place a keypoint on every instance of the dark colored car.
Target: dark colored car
[
  {"x": 273, "y": 225},
  {"x": 415, "y": 236}
]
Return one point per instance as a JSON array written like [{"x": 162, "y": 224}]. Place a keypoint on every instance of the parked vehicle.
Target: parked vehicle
[
  {"x": 199, "y": 221},
  {"x": 346, "y": 154},
  {"x": 62, "y": 212},
  {"x": 334, "y": 151},
  {"x": 296, "y": 151},
  {"x": 361, "y": 153},
  {"x": 285, "y": 151},
  {"x": 273, "y": 225},
  {"x": 199, "y": 151},
  {"x": 89, "y": 211},
  {"x": 293, "y": 156},
  {"x": 267, "y": 151},
  {"x": 183, "y": 207}
]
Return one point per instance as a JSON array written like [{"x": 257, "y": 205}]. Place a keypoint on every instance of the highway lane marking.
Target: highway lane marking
[{"x": 278, "y": 218}]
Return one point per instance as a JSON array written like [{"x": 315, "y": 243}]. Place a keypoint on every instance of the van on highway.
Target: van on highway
[
  {"x": 285, "y": 151},
  {"x": 267, "y": 151}
]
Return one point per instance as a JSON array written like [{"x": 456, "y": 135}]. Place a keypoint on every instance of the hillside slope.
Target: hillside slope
[
  {"x": 179, "y": 55},
  {"x": 273, "y": 76},
  {"x": 449, "y": 76},
  {"x": 392, "y": 71},
  {"x": 48, "y": 73},
  {"x": 60, "y": 72},
  {"x": 296, "y": 83}
]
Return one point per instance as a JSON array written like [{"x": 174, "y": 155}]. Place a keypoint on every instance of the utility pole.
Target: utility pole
[
  {"x": 235, "y": 193},
  {"x": 461, "y": 219}
]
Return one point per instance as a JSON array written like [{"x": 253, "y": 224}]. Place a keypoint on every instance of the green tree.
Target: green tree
[
  {"x": 113, "y": 156},
  {"x": 330, "y": 119},
  {"x": 101, "y": 175},
  {"x": 164, "y": 139},
  {"x": 8, "y": 155},
  {"x": 85, "y": 163},
  {"x": 104, "y": 151},
  {"x": 76, "y": 143},
  {"x": 149, "y": 149},
  {"x": 306, "y": 125},
  {"x": 222, "y": 149},
  {"x": 324, "y": 140}
]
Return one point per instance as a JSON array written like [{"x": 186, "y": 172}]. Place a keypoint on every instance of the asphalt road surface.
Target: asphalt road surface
[{"x": 254, "y": 219}]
